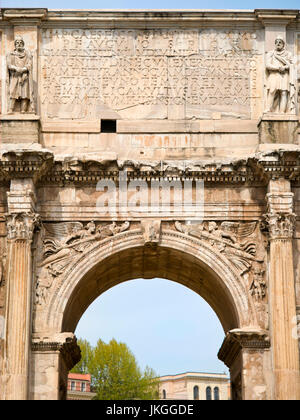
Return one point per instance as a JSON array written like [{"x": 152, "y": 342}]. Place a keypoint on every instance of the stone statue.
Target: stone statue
[
  {"x": 280, "y": 88},
  {"x": 19, "y": 66}
]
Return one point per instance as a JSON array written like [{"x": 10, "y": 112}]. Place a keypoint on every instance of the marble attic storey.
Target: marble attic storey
[{"x": 145, "y": 144}]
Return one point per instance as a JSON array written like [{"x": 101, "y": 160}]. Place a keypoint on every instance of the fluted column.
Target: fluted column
[
  {"x": 285, "y": 353},
  {"x": 21, "y": 222}
]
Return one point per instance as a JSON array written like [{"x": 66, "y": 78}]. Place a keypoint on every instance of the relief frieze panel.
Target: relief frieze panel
[{"x": 84, "y": 72}]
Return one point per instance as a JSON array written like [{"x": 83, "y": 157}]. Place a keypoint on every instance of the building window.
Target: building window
[
  {"x": 208, "y": 393},
  {"x": 196, "y": 392},
  {"x": 216, "y": 393},
  {"x": 83, "y": 386},
  {"x": 164, "y": 394},
  {"x": 73, "y": 386}
]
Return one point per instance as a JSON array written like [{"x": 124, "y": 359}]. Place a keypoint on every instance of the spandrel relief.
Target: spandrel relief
[
  {"x": 63, "y": 244},
  {"x": 150, "y": 73}
]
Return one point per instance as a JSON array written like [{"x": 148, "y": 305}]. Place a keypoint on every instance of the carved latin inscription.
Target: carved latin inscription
[{"x": 84, "y": 69}]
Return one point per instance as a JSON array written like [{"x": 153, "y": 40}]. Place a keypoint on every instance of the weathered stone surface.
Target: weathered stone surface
[{"x": 20, "y": 129}]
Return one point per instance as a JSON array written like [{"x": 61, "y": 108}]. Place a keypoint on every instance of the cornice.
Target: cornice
[
  {"x": 45, "y": 168},
  {"x": 276, "y": 17},
  {"x": 146, "y": 16},
  {"x": 242, "y": 339},
  {"x": 21, "y": 15},
  {"x": 20, "y": 164},
  {"x": 64, "y": 343}
]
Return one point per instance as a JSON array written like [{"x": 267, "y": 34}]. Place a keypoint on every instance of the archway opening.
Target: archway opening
[
  {"x": 168, "y": 327},
  {"x": 142, "y": 262}
]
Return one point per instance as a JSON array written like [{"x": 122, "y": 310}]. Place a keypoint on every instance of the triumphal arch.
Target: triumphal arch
[{"x": 141, "y": 144}]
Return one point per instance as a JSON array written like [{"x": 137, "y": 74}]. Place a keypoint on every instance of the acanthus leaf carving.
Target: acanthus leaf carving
[
  {"x": 280, "y": 225},
  {"x": 21, "y": 225}
]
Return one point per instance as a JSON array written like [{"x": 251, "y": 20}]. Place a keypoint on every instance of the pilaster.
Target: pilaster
[
  {"x": 52, "y": 358},
  {"x": 23, "y": 169},
  {"x": 246, "y": 353},
  {"x": 285, "y": 354}
]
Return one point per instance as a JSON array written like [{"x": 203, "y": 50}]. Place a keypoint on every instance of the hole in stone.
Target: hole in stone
[{"x": 108, "y": 126}]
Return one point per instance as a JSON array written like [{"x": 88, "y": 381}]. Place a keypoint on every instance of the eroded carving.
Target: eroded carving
[
  {"x": 280, "y": 79},
  {"x": 20, "y": 84},
  {"x": 229, "y": 238},
  {"x": 258, "y": 285},
  {"x": 151, "y": 230}
]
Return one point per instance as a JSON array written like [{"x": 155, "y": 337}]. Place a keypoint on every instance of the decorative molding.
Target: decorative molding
[
  {"x": 242, "y": 339},
  {"x": 64, "y": 343},
  {"x": 25, "y": 164}
]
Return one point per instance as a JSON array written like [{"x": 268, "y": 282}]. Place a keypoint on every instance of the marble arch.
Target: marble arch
[{"x": 183, "y": 97}]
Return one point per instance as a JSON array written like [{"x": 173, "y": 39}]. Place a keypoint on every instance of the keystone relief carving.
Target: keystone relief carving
[{"x": 63, "y": 243}]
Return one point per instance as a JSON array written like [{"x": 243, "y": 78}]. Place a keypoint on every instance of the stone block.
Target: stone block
[
  {"x": 19, "y": 128},
  {"x": 279, "y": 129}
]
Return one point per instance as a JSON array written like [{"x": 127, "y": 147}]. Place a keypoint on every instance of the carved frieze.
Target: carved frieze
[{"x": 63, "y": 243}]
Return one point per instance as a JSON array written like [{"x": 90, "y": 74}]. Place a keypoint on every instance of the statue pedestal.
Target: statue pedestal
[
  {"x": 20, "y": 128},
  {"x": 278, "y": 128}
]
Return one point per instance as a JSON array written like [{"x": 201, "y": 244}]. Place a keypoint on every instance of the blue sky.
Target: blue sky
[{"x": 166, "y": 325}]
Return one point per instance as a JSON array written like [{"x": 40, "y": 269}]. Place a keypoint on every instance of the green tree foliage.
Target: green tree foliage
[{"x": 115, "y": 372}]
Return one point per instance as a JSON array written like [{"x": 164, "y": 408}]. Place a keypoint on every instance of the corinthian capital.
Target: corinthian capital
[
  {"x": 281, "y": 225},
  {"x": 280, "y": 218},
  {"x": 21, "y": 226}
]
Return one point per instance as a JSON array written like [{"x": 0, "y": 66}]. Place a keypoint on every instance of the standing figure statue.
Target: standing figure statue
[
  {"x": 280, "y": 87},
  {"x": 19, "y": 66}
]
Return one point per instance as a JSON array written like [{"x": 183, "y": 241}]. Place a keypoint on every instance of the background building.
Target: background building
[
  {"x": 195, "y": 386},
  {"x": 79, "y": 387}
]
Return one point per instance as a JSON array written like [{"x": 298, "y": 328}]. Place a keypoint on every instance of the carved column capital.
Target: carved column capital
[
  {"x": 280, "y": 218},
  {"x": 281, "y": 225},
  {"x": 21, "y": 226}
]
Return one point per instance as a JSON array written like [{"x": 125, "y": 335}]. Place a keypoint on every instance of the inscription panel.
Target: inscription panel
[{"x": 150, "y": 73}]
